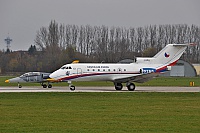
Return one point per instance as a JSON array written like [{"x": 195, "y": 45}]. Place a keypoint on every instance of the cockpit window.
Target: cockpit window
[
  {"x": 29, "y": 74},
  {"x": 24, "y": 75},
  {"x": 64, "y": 67}
]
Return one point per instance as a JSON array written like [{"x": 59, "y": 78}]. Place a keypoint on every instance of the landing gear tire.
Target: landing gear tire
[
  {"x": 118, "y": 86},
  {"x": 49, "y": 86},
  {"x": 44, "y": 86},
  {"x": 131, "y": 87},
  {"x": 72, "y": 88},
  {"x": 20, "y": 86}
]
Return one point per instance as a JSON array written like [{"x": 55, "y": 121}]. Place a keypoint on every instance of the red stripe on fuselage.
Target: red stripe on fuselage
[
  {"x": 91, "y": 74},
  {"x": 165, "y": 67}
]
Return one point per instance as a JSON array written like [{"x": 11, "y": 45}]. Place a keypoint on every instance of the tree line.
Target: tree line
[{"x": 59, "y": 44}]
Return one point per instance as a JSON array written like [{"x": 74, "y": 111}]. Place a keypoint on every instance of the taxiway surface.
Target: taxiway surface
[{"x": 99, "y": 89}]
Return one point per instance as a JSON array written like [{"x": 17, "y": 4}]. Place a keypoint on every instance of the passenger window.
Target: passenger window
[
  {"x": 98, "y": 69},
  {"x": 108, "y": 69},
  {"x": 70, "y": 67},
  {"x": 88, "y": 70},
  {"x": 124, "y": 69},
  {"x": 103, "y": 69},
  {"x": 93, "y": 70},
  {"x": 114, "y": 70}
]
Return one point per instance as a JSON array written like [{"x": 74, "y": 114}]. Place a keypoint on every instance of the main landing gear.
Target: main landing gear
[
  {"x": 118, "y": 86},
  {"x": 130, "y": 86},
  {"x": 45, "y": 86}
]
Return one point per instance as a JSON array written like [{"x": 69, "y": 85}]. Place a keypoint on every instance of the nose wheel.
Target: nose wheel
[
  {"x": 20, "y": 86},
  {"x": 72, "y": 87}
]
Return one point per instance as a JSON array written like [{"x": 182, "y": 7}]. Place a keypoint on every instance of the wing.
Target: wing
[{"x": 139, "y": 78}]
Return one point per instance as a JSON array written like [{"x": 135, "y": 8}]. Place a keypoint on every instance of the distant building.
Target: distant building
[
  {"x": 181, "y": 69},
  {"x": 197, "y": 67}
]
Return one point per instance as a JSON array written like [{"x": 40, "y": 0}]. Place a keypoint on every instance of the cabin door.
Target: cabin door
[{"x": 79, "y": 72}]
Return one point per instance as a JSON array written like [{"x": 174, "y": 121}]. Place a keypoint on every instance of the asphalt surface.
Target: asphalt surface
[{"x": 99, "y": 89}]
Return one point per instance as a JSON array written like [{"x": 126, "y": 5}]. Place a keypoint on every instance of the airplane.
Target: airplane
[
  {"x": 32, "y": 77},
  {"x": 140, "y": 71}
]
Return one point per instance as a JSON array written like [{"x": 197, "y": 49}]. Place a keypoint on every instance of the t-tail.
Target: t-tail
[{"x": 169, "y": 55}]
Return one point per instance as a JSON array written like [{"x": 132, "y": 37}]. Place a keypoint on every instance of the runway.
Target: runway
[{"x": 99, "y": 89}]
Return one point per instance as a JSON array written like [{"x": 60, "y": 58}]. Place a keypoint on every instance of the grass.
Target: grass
[
  {"x": 172, "y": 81},
  {"x": 99, "y": 112},
  {"x": 158, "y": 81}
]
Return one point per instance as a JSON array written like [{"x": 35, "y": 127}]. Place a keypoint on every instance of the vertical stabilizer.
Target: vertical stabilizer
[{"x": 170, "y": 53}]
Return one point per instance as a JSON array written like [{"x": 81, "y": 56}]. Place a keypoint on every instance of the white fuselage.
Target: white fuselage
[{"x": 101, "y": 72}]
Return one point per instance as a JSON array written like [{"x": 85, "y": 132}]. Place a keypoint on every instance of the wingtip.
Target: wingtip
[
  {"x": 75, "y": 62},
  {"x": 7, "y": 81},
  {"x": 192, "y": 44},
  {"x": 51, "y": 80}
]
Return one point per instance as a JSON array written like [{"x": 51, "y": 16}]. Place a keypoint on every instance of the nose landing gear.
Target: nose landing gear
[
  {"x": 20, "y": 86},
  {"x": 71, "y": 86}
]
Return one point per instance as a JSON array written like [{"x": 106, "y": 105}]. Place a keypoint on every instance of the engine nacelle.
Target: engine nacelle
[
  {"x": 147, "y": 70},
  {"x": 144, "y": 60}
]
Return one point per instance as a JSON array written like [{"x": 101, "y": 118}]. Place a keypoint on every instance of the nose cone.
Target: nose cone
[
  {"x": 53, "y": 75},
  {"x": 56, "y": 75},
  {"x": 15, "y": 80},
  {"x": 7, "y": 81}
]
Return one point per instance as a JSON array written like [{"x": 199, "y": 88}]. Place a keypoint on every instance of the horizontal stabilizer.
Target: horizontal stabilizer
[{"x": 186, "y": 44}]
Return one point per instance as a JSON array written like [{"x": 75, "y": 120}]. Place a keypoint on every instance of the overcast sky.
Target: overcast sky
[{"x": 23, "y": 18}]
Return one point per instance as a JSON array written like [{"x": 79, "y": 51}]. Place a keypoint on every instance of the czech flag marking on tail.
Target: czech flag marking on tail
[{"x": 166, "y": 55}]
